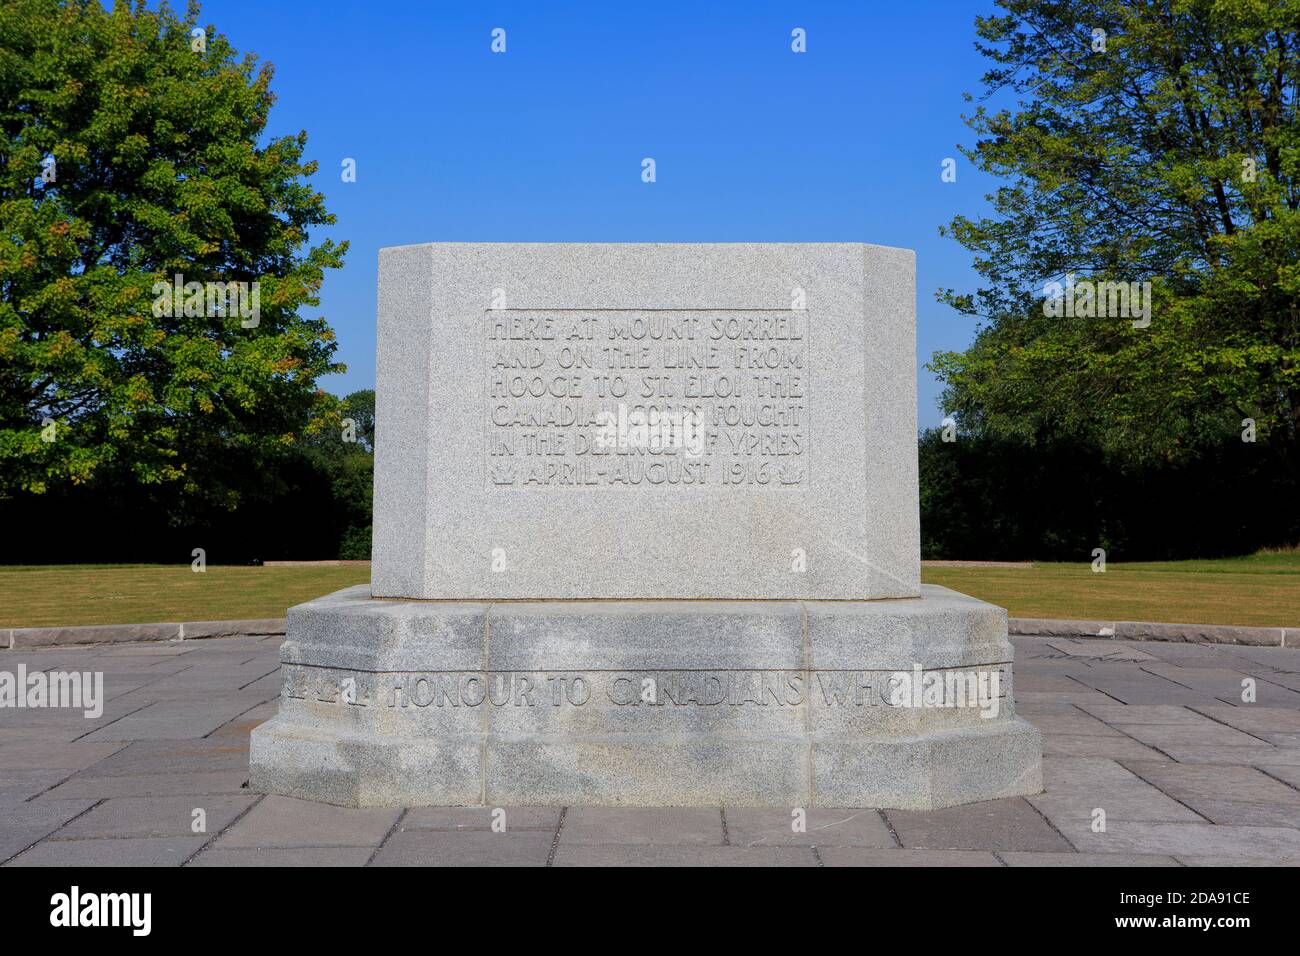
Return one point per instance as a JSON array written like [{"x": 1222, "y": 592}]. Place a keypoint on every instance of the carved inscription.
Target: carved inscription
[
  {"x": 977, "y": 686},
  {"x": 644, "y": 399}
]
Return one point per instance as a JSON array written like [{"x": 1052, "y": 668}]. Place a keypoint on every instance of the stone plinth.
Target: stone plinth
[
  {"x": 646, "y": 532},
  {"x": 651, "y": 703}
]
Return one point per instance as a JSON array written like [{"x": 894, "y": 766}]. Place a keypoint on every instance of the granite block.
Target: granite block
[
  {"x": 654, "y": 703},
  {"x": 499, "y": 476}
]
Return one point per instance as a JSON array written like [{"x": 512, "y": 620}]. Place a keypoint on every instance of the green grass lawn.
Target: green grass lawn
[
  {"x": 137, "y": 594},
  {"x": 1262, "y": 589}
]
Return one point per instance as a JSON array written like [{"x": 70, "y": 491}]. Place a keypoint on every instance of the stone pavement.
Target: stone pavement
[{"x": 1154, "y": 735}]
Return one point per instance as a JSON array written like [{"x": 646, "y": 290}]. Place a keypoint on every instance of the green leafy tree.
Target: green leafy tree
[
  {"x": 346, "y": 457},
  {"x": 132, "y": 151},
  {"x": 360, "y": 408},
  {"x": 1150, "y": 141}
]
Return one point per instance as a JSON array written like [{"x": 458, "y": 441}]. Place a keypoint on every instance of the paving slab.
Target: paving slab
[
  {"x": 1254, "y": 719},
  {"x": 1154, "y": 690},
  {"x": 1050, "y": 664},
  {"x": 146, "y": 649},
  {"x": 173, "y": 756},
  {"x": 1114, "y": 713},
  {"x": 1237, "y": 813},
  {"x": 156, "y": 817},
  {"x": 992, "y": 825},
  {"x": 50, "y": 755},
  {"x": 268, "y": 685},
  {"x": 1100, "y": 650},
  {"x": 238, "y": 728},
  {"x": 1290, "y": 741},
  {"x": 286, "y": 822},
  {"x": 149, "y": 785},
  {"x": 1073, "y": 725},
  {"x": 1090, "y": 745},
  {"x": 24, "y": 824},
  {"x": 70, "y": 719},
  {"x": 1018, "y": 858},
  {"x": 861, "y": 856},
  {"x": 684, "y": 856},
  {"x": 19, "y": 785},
  {"x": 1029, "y": 682},
  {"x": 481, "y": 818},
  {"x": 1289, "y": 775},
  {"x": 1198, "y": 655},
  {"x": 1164, "y": 736},
  {"x": 642, "y": 825},
  {"x": 327, "y": 856},
  {"x": 1192, "y": 783},
  {"x": 1072, "y": 812},
  {"x": 1263, "y": 755},
  {"x": 1222, "y": 861},
  {"x": 1045, "y": 708},
  {"x": 1271, "y": 690},
  {"x": 152, "y": 851},
  {"x": 1215, "y": 681},
  {"x": 175, "y": 720},
  {"x": 748, "y": 827},
  {"x": 1242, "y": 844},
  {"x": 1065, "y": 774},
  {"x": 10, "y": 736},
  {"x": 1287, "y": 658},
  {"x": 465, "y": 848},
  {"x": 1080, "y": 698}
]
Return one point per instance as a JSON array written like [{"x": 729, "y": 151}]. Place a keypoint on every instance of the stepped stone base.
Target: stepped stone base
[{"x": 897, "y": 703}]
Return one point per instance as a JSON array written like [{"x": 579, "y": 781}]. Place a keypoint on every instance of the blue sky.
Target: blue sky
[{"x": 544, "y": 143}]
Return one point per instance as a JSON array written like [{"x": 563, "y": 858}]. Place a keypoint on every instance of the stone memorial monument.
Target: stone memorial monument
[{"x": 646, "y": 533}]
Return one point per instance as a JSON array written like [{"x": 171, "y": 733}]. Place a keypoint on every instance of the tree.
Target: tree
[
  {"x": 309, "y": 500},
  {"x": 1055, "y": 499},
  {"x": 360, "y": 408},
  {"x": 347, "y": 459},
  {"x": 131, "y": 153},
  {"x": 1154, "y": 142}
]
